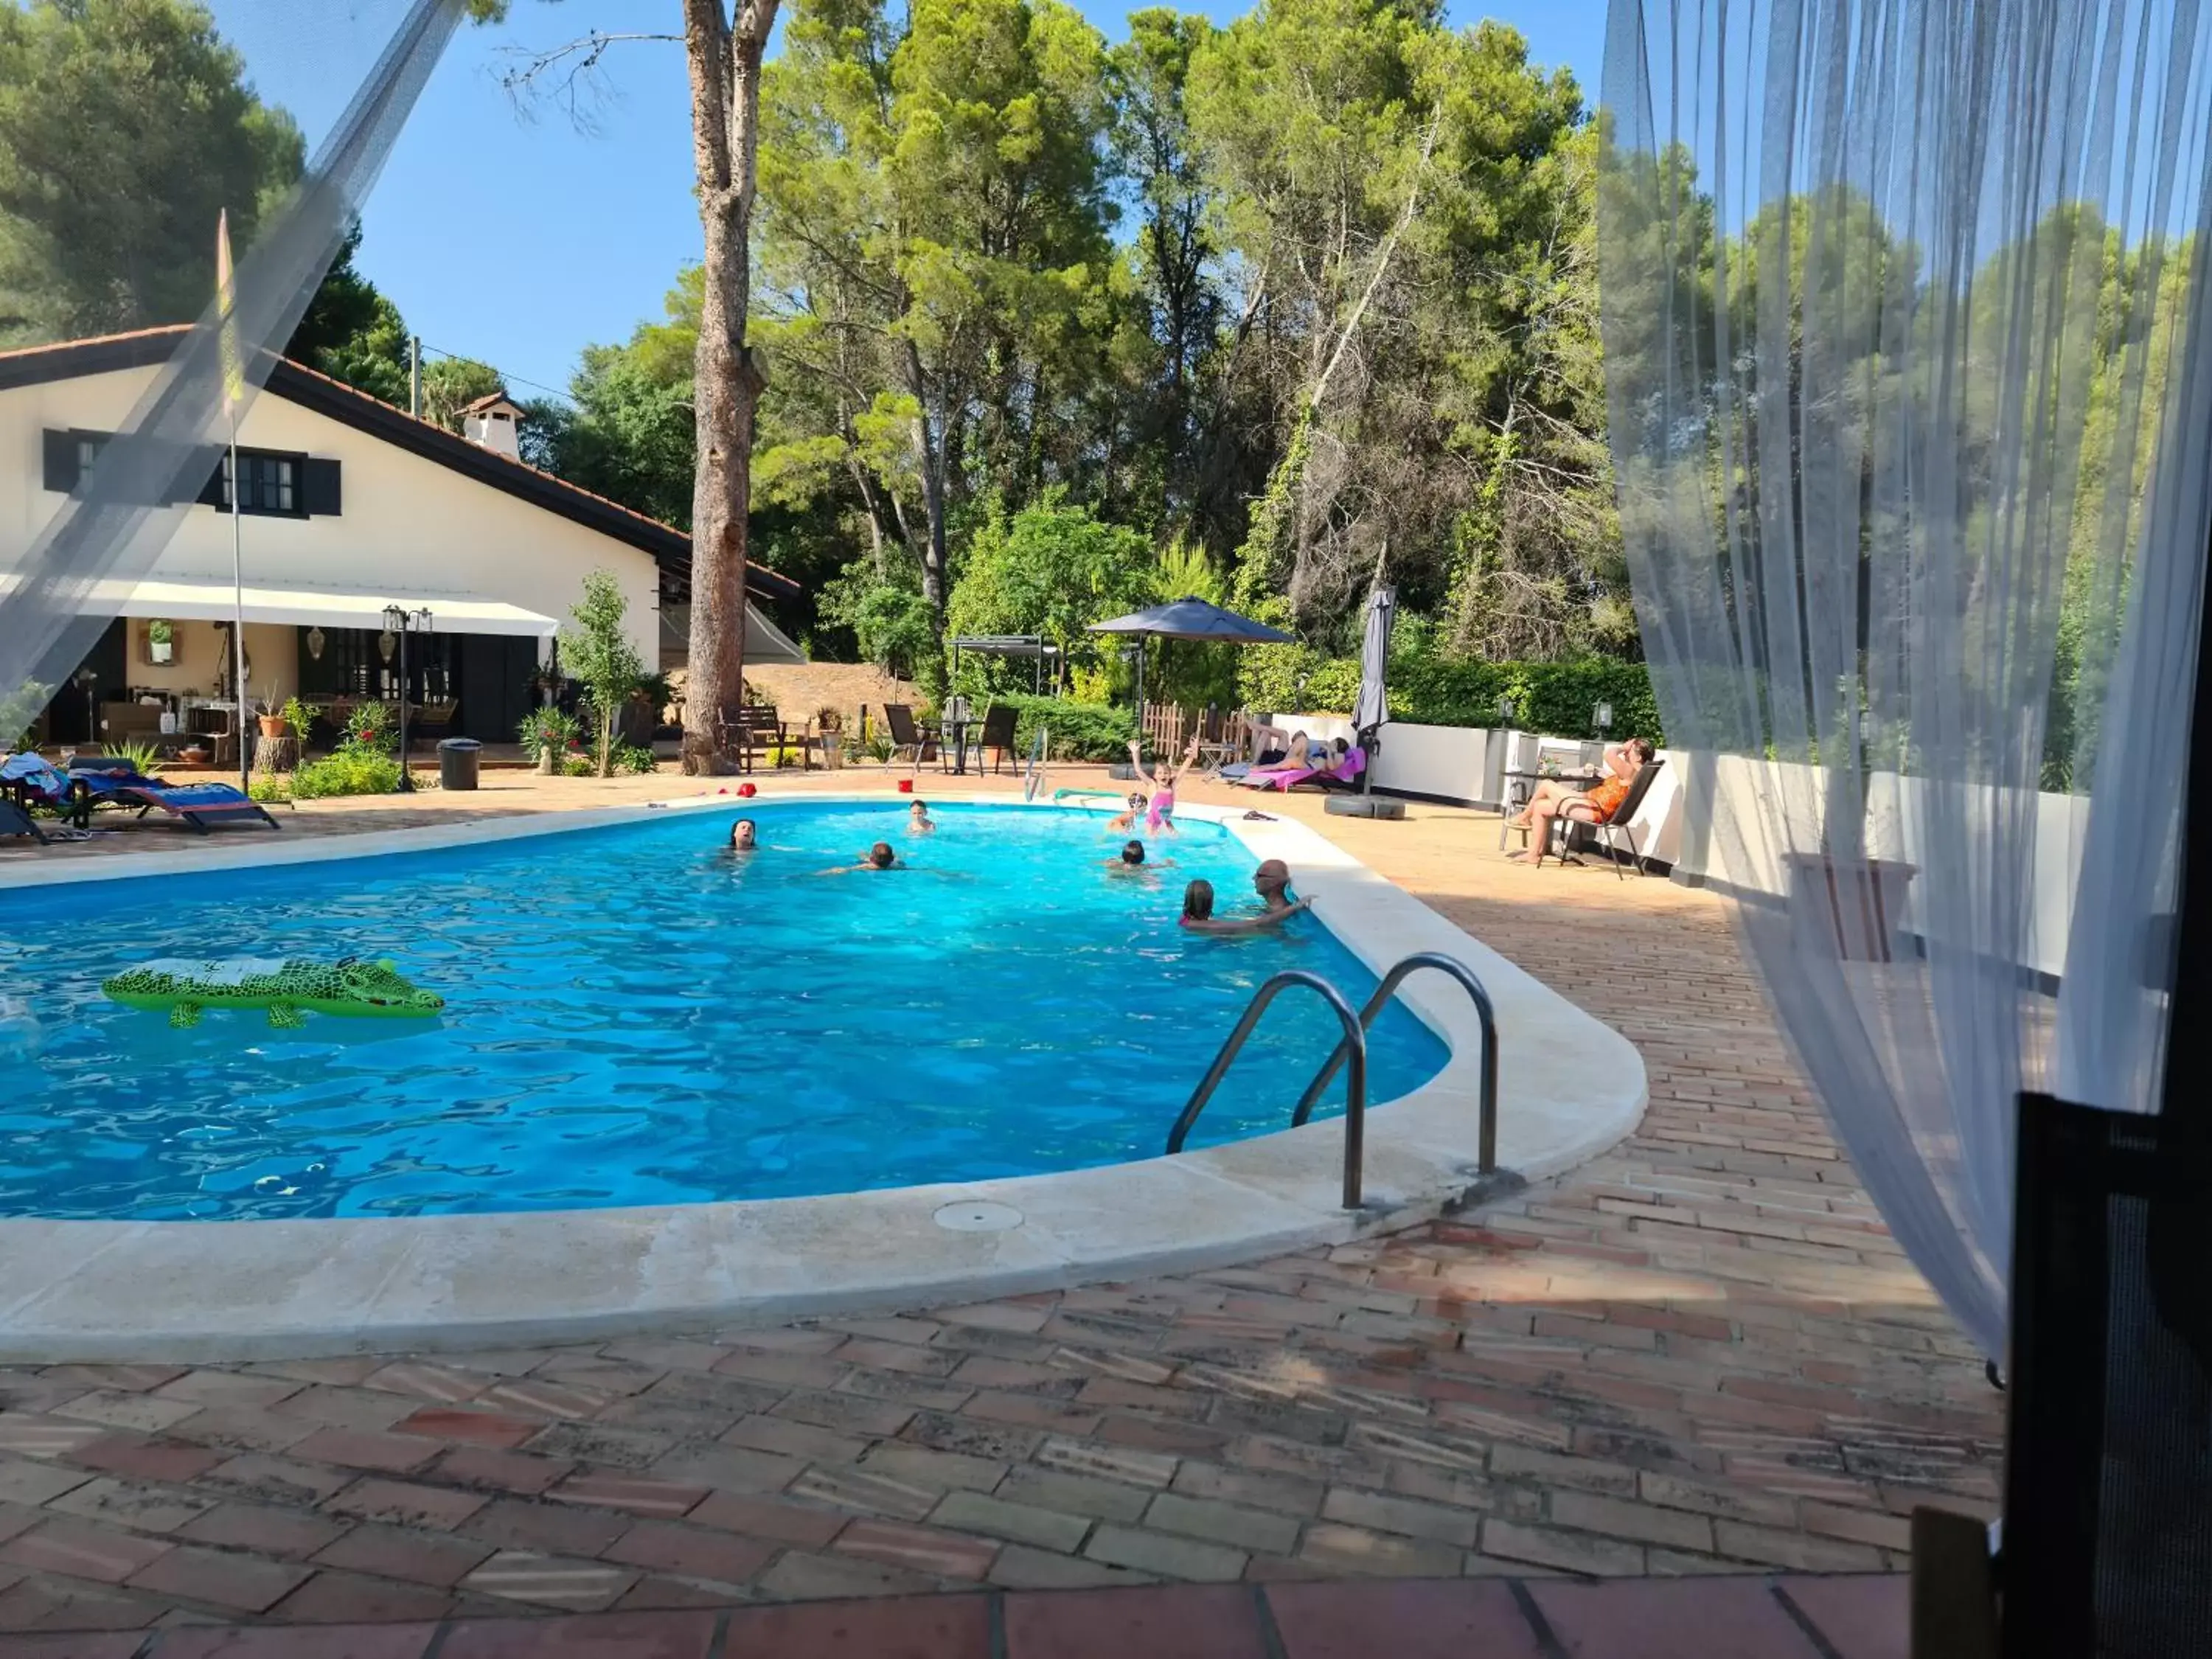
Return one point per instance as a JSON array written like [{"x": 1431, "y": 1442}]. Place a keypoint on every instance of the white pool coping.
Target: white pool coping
[{"x": 191, "y": 1292}]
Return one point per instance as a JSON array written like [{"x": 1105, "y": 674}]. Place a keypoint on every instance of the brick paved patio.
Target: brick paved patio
[{"x": 1700, "y": 1354}]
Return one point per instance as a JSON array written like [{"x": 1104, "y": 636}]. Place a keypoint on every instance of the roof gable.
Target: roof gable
[{"x": 350, "y": 407}]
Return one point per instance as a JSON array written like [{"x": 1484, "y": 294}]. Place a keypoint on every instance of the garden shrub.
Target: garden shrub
[
  {"x": 1080, "y": 731},
  {"x": 633, "y": 757},
  {"x": 349, "y": 769},
  {"x": 1552, "y": 697}
]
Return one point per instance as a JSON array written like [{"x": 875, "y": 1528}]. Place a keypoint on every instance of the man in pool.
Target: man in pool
[
  {"x": 1271, "y": 881},
  {"x": 741, "y": 836},
  {"x": 879, "y": 857}
]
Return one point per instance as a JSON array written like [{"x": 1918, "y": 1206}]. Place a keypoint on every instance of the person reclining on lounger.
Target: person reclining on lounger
[
  {"x": 1555, "y": 799},
  {"x": 1271, "y": 881}
]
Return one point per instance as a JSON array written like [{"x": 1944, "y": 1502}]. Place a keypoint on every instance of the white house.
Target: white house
[{"x": 350, "y": 505}]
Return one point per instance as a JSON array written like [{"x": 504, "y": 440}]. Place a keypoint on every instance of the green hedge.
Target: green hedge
[
  {"x": 1080, "y": 731},
  {"x": 1551, "y": 697}
]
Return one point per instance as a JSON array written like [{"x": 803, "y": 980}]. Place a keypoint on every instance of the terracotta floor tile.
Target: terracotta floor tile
[
  {"x": 271, "y": 1642},
  {"x": 599, "y": 1635},
  {"x": 1670, "y": 1619},
  {"x": 1414, "y": 1619},
  {"x": 76, "y": 1644},
  {"x": 1862, "y": 1617},
  {"x": 899, "y": 1627},
  {"x": 1180, "y": 1621}
]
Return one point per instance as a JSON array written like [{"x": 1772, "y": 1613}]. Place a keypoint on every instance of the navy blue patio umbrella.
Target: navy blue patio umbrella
[{"x": 1189, "y": 618}]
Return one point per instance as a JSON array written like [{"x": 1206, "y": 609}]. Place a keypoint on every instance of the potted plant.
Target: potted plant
[
  {"x": 160, "y": 643},
  {"x": 272, "y": 715},
  {"x": 830, "y": 723}
]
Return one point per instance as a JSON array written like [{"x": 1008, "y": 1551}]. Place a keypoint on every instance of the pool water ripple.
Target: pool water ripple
[{"x": 636, "y": 1016}]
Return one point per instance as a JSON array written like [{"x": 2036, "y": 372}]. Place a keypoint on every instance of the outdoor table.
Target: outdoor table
[{"x": 959, "y": 730}]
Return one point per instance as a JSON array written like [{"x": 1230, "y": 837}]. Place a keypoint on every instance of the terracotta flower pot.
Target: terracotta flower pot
[{"x": 274, "y": 726}]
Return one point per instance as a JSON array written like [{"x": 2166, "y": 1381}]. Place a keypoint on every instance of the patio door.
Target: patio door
[{"x": 492, "y": 678}]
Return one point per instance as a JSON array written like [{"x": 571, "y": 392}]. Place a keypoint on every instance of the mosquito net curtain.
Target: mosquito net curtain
[
  {"x": 57, "y": 596},
  {"x": 1910, "y": 396}
]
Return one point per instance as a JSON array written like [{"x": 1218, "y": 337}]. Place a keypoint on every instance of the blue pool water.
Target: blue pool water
[{"x": 636, "y": 1016}]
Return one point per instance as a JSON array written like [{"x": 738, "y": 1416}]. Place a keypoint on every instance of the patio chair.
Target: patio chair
[
  {"x": 909, "y": 738},
  {"x": 1618, "y": 824},
  {"x": 998, "y": 733},
  {"x": 1221, "y": 739}
]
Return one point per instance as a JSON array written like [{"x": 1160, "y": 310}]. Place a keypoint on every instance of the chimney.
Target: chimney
[{"x": 492, "y": 421}]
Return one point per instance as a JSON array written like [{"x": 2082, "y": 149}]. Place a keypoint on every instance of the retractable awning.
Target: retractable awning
[{"x": 185, "y": 599}]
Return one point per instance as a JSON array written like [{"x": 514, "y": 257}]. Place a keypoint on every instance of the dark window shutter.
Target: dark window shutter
[
  {"x": 61, "y": 461},
  {"x": 320, "y": 494},
  {"x": 212, "y": 492}
]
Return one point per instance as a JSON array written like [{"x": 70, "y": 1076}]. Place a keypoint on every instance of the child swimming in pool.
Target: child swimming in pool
[
  {"x": 918, "y": 821},
  {"x": 1119, "y": 824},
  {"x": 879, "y": 857},
  {"x": 1131, "y": 860}
]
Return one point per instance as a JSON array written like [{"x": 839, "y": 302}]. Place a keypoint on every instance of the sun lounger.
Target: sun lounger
[
  {"x": 197, "y": 806},
  {"x": 14, "y": 821},
  {"x": 1343, "y": 776}
]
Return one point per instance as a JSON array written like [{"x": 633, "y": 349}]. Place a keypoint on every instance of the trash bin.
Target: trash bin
[{"x": 457, "y": 762}]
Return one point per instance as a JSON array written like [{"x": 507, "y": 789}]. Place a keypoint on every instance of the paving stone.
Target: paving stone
[
  {"x": 1797, "y": 1550},
  {"x": 769, "y": 1518},
  {"x": 943, "y": 1471},
  {"x": 546, "y": 1528},
  {"x": 550, "y": 1580},
  {"x": 284, "y": 1479},
  {"x": 146, "y": 1460},
  {"x": 80, "y": 1551},
  {"x": 1075, "y": 1494},
  {"x": 1423, "y": 1620},
  {"x": 1255, "y": 1530},
  {"x": 627, "y": 1635},
  {"x": 1644, "y": 1523},
  {"x": 802, "y": 1576},
  {"x": 406, "y": 1504},
  {"x": 1659, "y": 1619},
  {"x": 632, "y": 1494},
  {"x": 1165, "y": 1554},
  {"x": 132, "y": 1503},
  {"x": 264, "y": 1529},
  {"x": 1106, "y": 1462},
  {"x": 1405, "y": 1516},
  {"x": 696, "y": 1552},
  {"x": 792, "y": 1439},
  {"x": 866, "y": 1493},
  {"x": 1176, "y": 1622},
  {"x": 351, "y": 1449},
  {"x": 442, "y": 1560},
  {"x": 728, "y": 1468},
  {"x": 942, "y": 1627},
  {"x": 996, "y": 1517},
  {"x": 501, "y": 1471},
  {"x": 344, "y": 1598},
  {"x": 1022, "y": 1568},
  {"x": 1568, "y": 1551},
  {"x": 148, "y": 1413},
  {"x": 22, "y": 1481},
  {"x": 224, "y": 1578},
  {"x": 918, "y": 1549},
  {"x": 1341, "y": 1548}
]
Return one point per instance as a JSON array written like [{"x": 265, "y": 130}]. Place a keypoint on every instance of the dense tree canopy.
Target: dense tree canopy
[{"x": 125, "y": 127}]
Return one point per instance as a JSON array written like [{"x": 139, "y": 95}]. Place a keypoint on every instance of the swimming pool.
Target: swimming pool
[{"x": 636, "y": 1016}]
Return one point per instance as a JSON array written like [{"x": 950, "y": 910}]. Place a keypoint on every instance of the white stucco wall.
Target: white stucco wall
[{"x": 411, "y": 528}]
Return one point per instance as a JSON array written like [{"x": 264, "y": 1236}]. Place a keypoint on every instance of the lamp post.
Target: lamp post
[
  {"x": 88, "y": 682},
  {"x": 1505, "y": 714},
  {"x": 402, "y": 622},
  {"x": 1601, "y": 717}
]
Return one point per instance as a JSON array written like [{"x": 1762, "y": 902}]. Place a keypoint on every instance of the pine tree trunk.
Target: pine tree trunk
[{"x": 725, "y": 63}]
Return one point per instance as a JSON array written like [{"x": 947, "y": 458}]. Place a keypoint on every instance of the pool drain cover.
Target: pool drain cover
[{"x": 978, "y": 1216}]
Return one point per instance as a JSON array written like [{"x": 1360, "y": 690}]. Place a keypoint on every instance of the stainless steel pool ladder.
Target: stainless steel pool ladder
[{"x": 1353, "y": 1048}]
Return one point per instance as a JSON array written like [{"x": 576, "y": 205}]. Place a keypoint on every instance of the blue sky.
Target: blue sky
[{"x": 521, "y": 239}]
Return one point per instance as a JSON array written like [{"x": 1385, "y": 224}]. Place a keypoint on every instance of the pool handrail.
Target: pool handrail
[
  {"x": 1487, "y": 1144},
  {"x": 1352, "y": 1046}
]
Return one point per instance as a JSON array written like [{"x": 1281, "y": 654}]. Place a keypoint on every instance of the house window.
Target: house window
[
  {"x": 272, "y": 483},
  {"x": 88, "y": 455}
]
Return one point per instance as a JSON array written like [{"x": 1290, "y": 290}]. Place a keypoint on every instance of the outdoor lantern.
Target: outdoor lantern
[
  {"x": 316, "y": 640},
  {"x": 1505, "y": 711},
  {"x": 1602, "y": 714}
]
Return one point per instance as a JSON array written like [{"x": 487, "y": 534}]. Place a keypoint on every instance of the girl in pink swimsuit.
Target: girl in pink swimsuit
[{"x": 1160, "y": 813}]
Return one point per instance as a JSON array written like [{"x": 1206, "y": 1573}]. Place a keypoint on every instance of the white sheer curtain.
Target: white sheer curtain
[
  {"x": 1911, "y": 394},
  {"x": 58, "y": 593}
]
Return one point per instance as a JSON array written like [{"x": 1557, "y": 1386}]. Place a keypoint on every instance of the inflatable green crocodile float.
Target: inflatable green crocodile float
[{"x": 286, "y": 986}]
